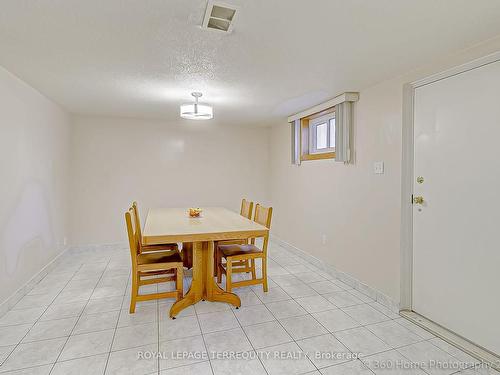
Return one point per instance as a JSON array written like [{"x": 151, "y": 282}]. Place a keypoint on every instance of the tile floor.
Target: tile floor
[{"x": 76, "y": 321}]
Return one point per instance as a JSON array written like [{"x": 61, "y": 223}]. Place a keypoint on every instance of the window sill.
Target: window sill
[{"x": 323, "y": 155}]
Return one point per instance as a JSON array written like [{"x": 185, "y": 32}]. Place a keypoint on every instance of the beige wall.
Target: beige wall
[
  {"x": 357, "y": 210},
  {"x": 182, "y": 164},
  {"x": 34, "y": 170}
]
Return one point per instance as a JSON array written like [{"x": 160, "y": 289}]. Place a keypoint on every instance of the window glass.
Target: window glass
[
  {"x": 321, "y": 136},
  {"x": 332, "y": 132}
]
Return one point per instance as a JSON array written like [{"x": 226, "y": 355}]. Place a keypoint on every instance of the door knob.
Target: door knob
[{"x": 418, "y": 200}]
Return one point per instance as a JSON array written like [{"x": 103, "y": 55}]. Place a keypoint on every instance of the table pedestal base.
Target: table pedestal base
[{"x": 203, "y": 286}]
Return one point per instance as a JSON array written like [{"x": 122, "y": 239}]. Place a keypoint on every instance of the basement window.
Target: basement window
[
  {"x": 318, "y": 136},
  {"x": 322, "y": 134}
]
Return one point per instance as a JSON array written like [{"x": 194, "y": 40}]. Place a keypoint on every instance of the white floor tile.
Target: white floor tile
[
  {"x": 426, "y": 335},
  {"x": 315, "y": 304},
  {"x": 133, "y": 361},
  {"x": 365, "y": 314},
  {"x": 325, "y": 350},
  {"x": 219, "y": 321},
  {"x": 93, "y": 365},
  {"x": 325, "y": 287},
  {"x": 204, "y": 307},
  {"x": 426, "y": 353},
  {"x": 181, "y": 352},
  {"x": 233, "y": 340},
  {"x": 33, "y": 354},
  {"x": 51, "y": 329},
  {"x": 384, "y": 310},
  {"x": 201, "y": 368},
  {"x": 96, "y": 306},
  {"x": 286, "y": 309},
  {"x": 454, "y": 351},
  {"x": 335, "y": 320},
  {"x": 87, "y": 344},
  {"x": 142, "y": 315},
  {"x": 394, "y": 334},
  {"x": 171, "y": 329},
  {"x": 279, "y": 360},
  {"x": 132, "y": 336},
  {"x": 299, "y": 290},
  {"x": 349, "y": 368},
  {"x": 38, "y": 300},
  {"x": 96, "y": 322},
  {"x": 273, "y": 294},
  {"x": 5, "y": 351},
  {"x": 61, "y": 311},
  {"x": 12, "y": 335},
  {"x": 343, "y": 299},
  {"x": 248, "y": 298},
  {"x": 250, "y": 366},
  {"x": 24, "y": 316},
  {"x": 253, "y": 315},
  {"x": 267, "y": 334},
  {"x": 301, "y": 327},
  {"x": 362, "y": 341},
  {"x": 38, "y": 370}
]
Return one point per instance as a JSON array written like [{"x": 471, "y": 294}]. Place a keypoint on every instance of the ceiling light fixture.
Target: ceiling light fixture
[{"x": 196, "y": 111}]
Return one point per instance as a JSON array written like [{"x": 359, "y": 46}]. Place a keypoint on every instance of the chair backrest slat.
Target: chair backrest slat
[
  {"x": 137, "y": 221},
  {"x": 246, "y": 209},
  {"x": 132, "y": 235}
]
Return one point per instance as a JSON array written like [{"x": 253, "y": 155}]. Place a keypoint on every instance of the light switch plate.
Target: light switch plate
[{"x": 378, "y": 167}]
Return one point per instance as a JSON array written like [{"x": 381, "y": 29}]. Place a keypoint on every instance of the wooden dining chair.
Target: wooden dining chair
[
  {"x": 151, "y": 268},
  {"x": 149, "y": 248},
  {"x": 246, "y": 210},
  {"x": 234, "y": 254}
]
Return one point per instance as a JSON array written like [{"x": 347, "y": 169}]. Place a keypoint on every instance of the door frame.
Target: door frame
[{"x": 407, "y": 172}]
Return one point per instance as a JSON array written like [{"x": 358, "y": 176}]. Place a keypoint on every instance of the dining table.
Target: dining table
[{"x": 174, "y": 225}]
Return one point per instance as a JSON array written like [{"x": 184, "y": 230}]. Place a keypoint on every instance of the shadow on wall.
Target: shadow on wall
[{"x": 28, "y": 230}]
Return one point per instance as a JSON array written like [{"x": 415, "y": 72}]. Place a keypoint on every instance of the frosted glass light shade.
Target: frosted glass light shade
[{"x": 194, "y": 111}]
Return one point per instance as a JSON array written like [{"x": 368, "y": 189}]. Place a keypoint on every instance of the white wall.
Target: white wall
[
  {"x": 34, "y": 175},
  {"x": 159, "y": 164},
  {"x": 358, "y": 211}
]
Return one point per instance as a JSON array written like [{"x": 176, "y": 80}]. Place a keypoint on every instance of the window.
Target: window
[
  {"x": 322, "y": 134},
  {"x": 317, "y": 136}
]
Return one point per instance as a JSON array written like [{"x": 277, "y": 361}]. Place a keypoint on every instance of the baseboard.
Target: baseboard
[
  {"x": 371, "y": 292},
  {"x": 10, "y": 302},
  {"x": 454, "y": 339}
]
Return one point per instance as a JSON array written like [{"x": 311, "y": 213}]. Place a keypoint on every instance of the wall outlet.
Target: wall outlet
[
  {"x": 378, "y": 167},
  {"x": 65, "y": 241},
  {"x": 323, "y": 239}
]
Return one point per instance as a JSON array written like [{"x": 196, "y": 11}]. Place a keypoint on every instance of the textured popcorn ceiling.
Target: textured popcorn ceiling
[{"x": 142, "y": 58}]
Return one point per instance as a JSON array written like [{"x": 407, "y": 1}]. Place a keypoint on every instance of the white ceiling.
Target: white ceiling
[{"x": 142, "y": 58}]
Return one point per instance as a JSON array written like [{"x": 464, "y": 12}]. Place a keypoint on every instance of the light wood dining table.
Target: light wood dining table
[{"x": 170, "y": 225}]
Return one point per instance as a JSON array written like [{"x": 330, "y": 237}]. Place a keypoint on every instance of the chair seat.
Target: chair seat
[
  {"x": 159, "y": 247},
  {"x": 154, "y": 258},
  {"x": 231, "y": 250}
]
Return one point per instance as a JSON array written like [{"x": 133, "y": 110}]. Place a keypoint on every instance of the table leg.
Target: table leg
[{"x": 203, "y": 285}]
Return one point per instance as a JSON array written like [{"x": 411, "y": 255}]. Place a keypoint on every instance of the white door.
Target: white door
[{"x": 456, "y": 234}]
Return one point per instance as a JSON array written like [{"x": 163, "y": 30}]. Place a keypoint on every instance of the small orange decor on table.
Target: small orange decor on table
[
  {"x": 170, "y": 225},
  {"x": 195, "y": 212}
]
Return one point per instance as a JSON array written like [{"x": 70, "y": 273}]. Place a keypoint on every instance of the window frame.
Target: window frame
[{"x": 313, "y": 124}]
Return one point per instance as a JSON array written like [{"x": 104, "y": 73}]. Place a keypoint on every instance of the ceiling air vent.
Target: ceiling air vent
[{"x": 219, "y": 16}]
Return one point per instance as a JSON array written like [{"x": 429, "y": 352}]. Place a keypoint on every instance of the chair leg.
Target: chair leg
[
  {"x": 135, "y": 290},
  {"x": 247, "y": 266},
  {"x": 229, "y": 270},
  {"x": 178, "y": 283},
  {"x": 252, "y": 264},
  {"x": 264, "y": 273},
  {"x": 219, "y": 266}
]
